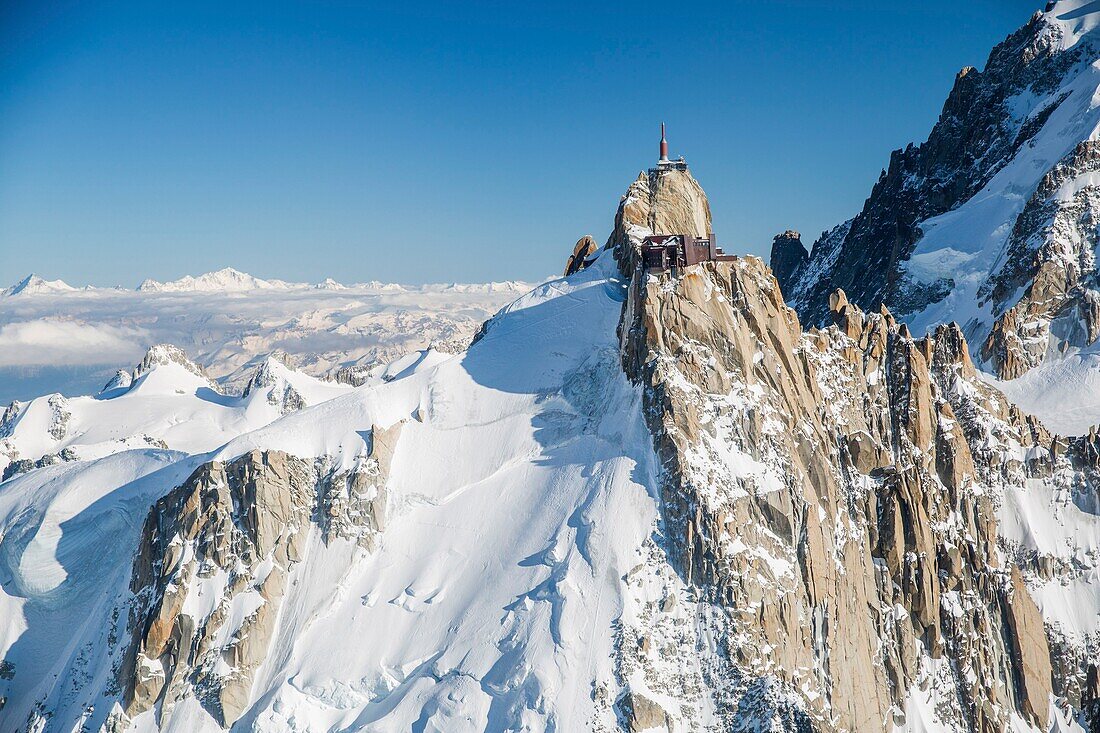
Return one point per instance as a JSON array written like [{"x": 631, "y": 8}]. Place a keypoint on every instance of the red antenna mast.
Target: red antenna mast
[{"x": 664, "y": 146}]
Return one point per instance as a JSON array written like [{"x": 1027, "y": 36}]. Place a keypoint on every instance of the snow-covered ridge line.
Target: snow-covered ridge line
[
  {"x": 170, "y": 402},
  {"x": 229, "y": 280},
  {"x": 392, "y": 553}
]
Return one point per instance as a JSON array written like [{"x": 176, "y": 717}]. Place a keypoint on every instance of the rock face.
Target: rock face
[
  {"x": 992, "y": 137},
  {"x": 8, "y": 419},
  {"x": 829, "y": 498},
  {"x": 1031, "y": 653},
  {"x": 22, "y": 465},
  {"x": 231, "y": 533},
  {"x": 642, "y": 714},
  {"x": 658, "y": 202},
  {"x": 1090, "y": 699},
  {"x": 1051, "y": 260},
  {"x": 214, "y": 566},
  {"x": 829, "y": 493},
  {"x": 788, "y": 255},
  {"x": 585, "y": 247},
  {"x": 354, "y": 503},
  {"x": 59, "y": 417}
]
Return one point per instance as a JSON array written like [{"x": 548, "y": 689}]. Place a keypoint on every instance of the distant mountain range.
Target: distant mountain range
[
  {"x": 58, "y": 338},
  {"x": 228, "y": 280}
]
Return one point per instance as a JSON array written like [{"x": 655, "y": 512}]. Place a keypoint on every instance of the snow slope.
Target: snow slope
[
  {"x": 171, "y": 405},
  {"x": 501, "y": 550},
  {"x": 65, "y": 557},
  {"x": 518, "y": 501},
  {"x": 1064, "y": 392}
]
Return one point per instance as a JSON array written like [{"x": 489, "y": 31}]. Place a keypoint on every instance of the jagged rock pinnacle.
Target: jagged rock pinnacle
[
  {"x": 585, "y": 247},
  {"x": 658, "y": 202},
  {"x": 787, "y": 257}
]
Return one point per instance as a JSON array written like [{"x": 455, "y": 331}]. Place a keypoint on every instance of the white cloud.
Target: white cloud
[
  {"x": 65, "y": 342},
  {"x": 76, "y": 335}
]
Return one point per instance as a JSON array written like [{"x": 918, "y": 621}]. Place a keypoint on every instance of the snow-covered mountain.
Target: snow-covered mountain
[
  {"x": 224, "y": 280},
  {"x": 34, "y": 285},
  {"x": 55, "y": 338},
  {"x": 991, "y": 222},
  {"x": 638, "y": 500},
  {"x": 468, "y": 421},
  {"x": 228, "y": 280},
  {"x": 166, "y": 401}
]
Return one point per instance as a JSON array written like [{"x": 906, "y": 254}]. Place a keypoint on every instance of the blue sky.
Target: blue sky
[{"x": 443, "y": 142}]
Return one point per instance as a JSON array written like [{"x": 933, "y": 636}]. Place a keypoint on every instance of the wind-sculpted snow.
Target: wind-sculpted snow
[
  {"x": 55, "y": 338},
  {"x": 65, "y": 557},
  {"x": 515, "y": 501}
]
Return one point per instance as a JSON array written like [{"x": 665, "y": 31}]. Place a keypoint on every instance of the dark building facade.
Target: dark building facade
[{"x": 665, "y": 251}]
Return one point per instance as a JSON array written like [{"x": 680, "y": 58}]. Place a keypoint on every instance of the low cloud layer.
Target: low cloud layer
[
  {"x": 68, "y": 342},
  {"x": 85, "y": 333}
]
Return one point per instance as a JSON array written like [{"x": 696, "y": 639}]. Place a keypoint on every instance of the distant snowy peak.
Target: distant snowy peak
[
  {"x": 277, "y": 382},
  {"x": 329, "y": 284},
  {"x": 273, "y": 379},
  {"x": 225, "y": 280},
  {"x": 118, "y": 383},
  {"x": 230, "y": 280},
  {"x": 507, "y": 286},
  {"x": 167, "y": 368},
  {"x": 373, "y": 285},
  {"x": 33, "y": 284},
  {"x": 163, "y": 368}
]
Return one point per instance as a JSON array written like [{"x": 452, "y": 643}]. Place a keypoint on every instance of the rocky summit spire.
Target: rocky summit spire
[{"x": 663, "y": 161}]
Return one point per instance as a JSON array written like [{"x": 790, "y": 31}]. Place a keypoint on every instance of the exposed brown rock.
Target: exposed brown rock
[
  {"x": 856, "y": 405},
  {"x": 585, "y": 247},
  {"x": 234, "y": 515},
  {"x": 243, "y": 522},
  {"x": 643, "y": 714},
  {"x": 1031, "y": 653},
  {"x": 658, "y": 202},
  {"x": 1047, "y": 272}
]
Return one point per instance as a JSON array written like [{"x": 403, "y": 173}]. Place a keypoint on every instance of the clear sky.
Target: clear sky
[{"x": 423, "y": 142}]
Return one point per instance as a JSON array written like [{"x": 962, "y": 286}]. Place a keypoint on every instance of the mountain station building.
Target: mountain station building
[{"x": 665, "y": 251}]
